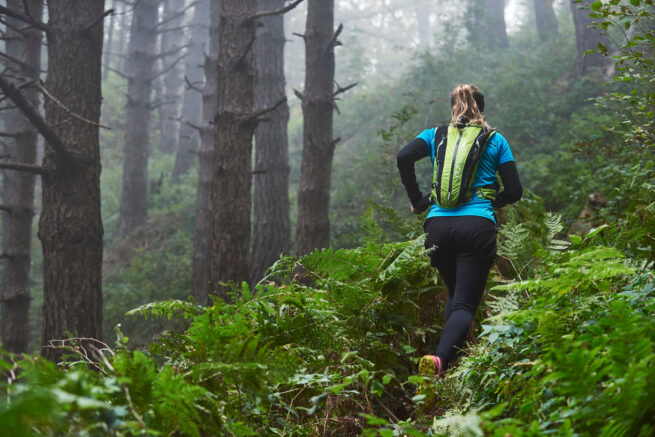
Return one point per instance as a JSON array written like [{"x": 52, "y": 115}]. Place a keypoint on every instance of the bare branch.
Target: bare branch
[
  {"x": 191, "y": 86},
  {"x": 256, "y": 117},
  {"x": 120, "y": 73},
  {"x": 14, "y": 60},
  {"x": 334, "y": 41},
  {"x": 68, "y": 111},
  {"x": 171, "y": 29},
  {"x": 298, "y": 94},
  {"x": 187, "y": 122},
  {"x": 279, "y": 11},
  {"x": 18, "y": 166},
  {"x": 99, "y": 19},
  {"x": 301, "y": 35},
  {"x": 170, "y": 52},
  {"x": 239, "y": 63},
  {"x": 24, "y": 18},
  {"x": 35, "y": 118},
  {"x": 341, "y": 90},
  {"x": 167, "y": 69},
  {"x": 178, "y": 14}
]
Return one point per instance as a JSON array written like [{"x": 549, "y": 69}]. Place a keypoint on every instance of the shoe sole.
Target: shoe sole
[{"x": 427, "y": 366}]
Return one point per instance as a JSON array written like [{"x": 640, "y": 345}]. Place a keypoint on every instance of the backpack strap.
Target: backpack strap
[
  {"x": 438, "y": 155},
  {"x": 487, "y": 192}
]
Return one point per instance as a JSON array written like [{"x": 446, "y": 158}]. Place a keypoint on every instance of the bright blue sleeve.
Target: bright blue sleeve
[
  {"x": 428, "y": 136},
  {"x": 504, "y": 152}
]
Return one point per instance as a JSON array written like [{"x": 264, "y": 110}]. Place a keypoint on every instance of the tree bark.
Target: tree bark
[
  {"x": 140, "y": 71},
  {"x": 231, "y": 195},
  {"x": 587, "y": 38},
  {"x": 70, "y": 226},
  {"x": 546, "y": 19},
  {"x": 313, "y": 227},
  {"x": 202, "y": 232},
  {"x": 494, "y": 24},
  {"x": 271, "y": 230},
  {"x": 192, "y": 103},
  {"x": 17, "y": 186},
  {"x": 172, "y": 39}
]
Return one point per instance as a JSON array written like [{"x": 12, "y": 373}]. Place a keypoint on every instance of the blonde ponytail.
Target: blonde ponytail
[{"x": 464, "y": 101}]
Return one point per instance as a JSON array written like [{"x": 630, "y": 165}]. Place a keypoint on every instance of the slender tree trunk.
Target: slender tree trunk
[
  {"x": 124, "y": 25},
  {"x": 422, "y": 11},
  {"x": 70, "y": 226},
  {"x": 108, "y": 44},
  {"x": 546, "y": 19},
  {"x": 18, "y": 187},
  {"x": 494, "y": 24},
  {"x": 192, "y": 104},
  {"x": 140, "y": 71},
  {"x": 587, "y": 38},
  {"x": 313, "y": 227},
  {"x": 172, "y": 39},
  {"x": 202, "y": 232},
  {"x": 231, "y": 195},
  {"x": 271, "y": 231}
]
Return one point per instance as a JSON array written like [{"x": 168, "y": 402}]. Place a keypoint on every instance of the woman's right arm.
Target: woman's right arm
[{"x": 412, "y": 152}]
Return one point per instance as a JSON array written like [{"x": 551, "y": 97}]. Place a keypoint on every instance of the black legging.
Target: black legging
[{"x": 465, "y": 250}]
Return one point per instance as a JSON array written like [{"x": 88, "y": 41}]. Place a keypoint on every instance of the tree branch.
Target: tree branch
[
  {"x": 120, "y": 73},
  {"x": 298, "y": 94},
  {"x": 68, "y": 111},
  {"x": 333, "y": 42},
  {"x": 270, "y": 13},
  {"x": 99, "y": 19},
  {"x": 178, "y": 14},
  {"x": 256, "y": 117},
  {"x": 18, "y": 166},
  {"x": 167, "y": 69},
  {"x": 170, "y": 52},
  {"x": 35, "y": 118},
  {"x": 245, "y": 53},
  {"x": 191, "y": 86},
  {"x": 25, "y": 18},
  {"x": 341, "y": 90}
]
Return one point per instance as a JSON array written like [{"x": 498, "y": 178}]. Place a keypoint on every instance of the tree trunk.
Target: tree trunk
[
  {"x": 313, "y": 227},
  {"x": 107, "y": 47},
  {"x": 192, "y": 104},
  {"x": 231, "y": 196},
  {"x": 18, "y": 187},
  {"x": 494, "y": 24},
  {"x": 271, "y": 230},
  {"x": 124, "y": 25},
  {"x": 172, "y": 39},
  {"x": 70, "y": 226},
  {"x": 140, "y": 70},
  {"x": 546, "y": 19},
  {"x": 202, "y": 232},
  {"x": 587, "y": 38}
]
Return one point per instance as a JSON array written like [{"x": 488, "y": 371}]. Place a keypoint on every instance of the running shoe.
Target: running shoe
[{"x": 430, "y": 367}]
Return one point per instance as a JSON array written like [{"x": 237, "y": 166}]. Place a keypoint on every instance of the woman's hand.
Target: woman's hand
[{"x": 414, "y": 210}]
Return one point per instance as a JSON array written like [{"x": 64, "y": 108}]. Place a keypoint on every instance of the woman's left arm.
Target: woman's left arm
[{"x": 512, "y": 189}]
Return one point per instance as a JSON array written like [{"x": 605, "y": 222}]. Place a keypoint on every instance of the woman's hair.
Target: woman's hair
[{"x": 467, "y": 105}]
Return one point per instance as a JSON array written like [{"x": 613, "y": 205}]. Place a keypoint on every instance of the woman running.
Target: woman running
[{"x": 461, "y": 232}]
